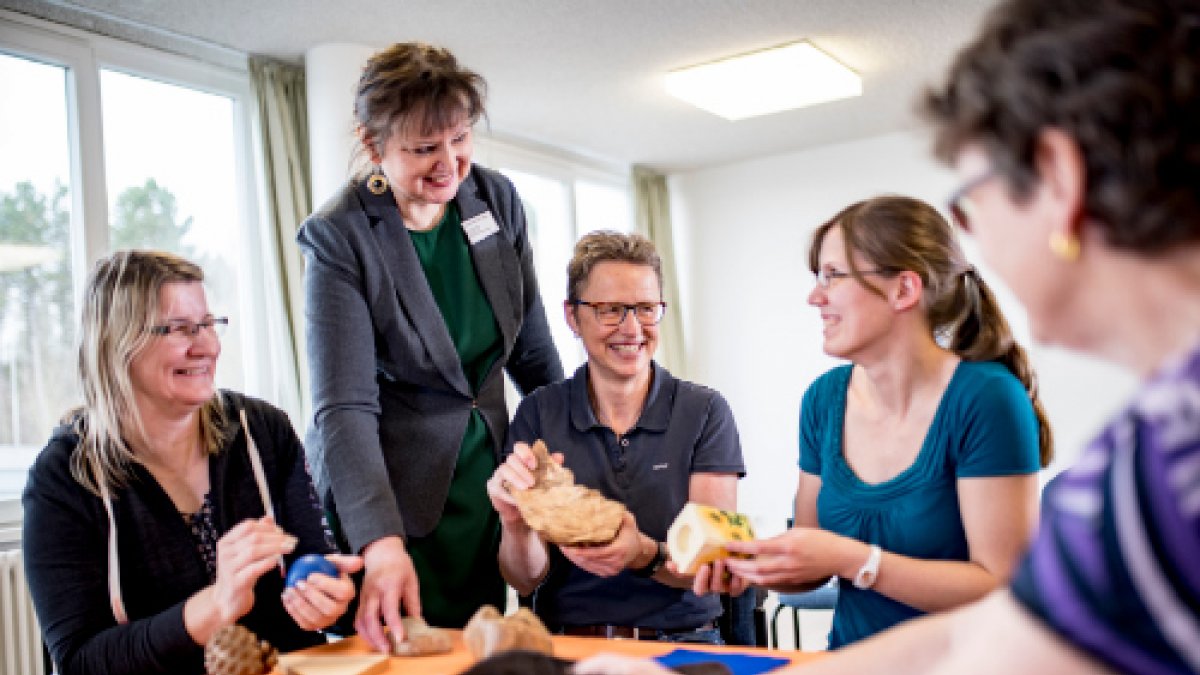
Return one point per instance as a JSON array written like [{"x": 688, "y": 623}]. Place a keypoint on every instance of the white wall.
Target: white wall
[{"x": 751, "y": 334}]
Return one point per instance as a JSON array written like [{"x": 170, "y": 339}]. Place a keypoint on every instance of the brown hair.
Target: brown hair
[
  {"x": 120, "y": 305},
  {"x": 605, "y": 246},
  {"x": 418, "y": 86},
  {"x": 1121, "y": 77},
  {"x": 903, "y": 234}
]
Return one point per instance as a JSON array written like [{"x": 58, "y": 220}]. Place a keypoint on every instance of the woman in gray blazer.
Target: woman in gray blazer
[{"x": 420, "y": 292}]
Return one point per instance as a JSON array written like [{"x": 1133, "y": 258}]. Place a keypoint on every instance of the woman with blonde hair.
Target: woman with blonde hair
[
  {"x": 633, "y": 431},
  {"x": 163, "y": 509}
]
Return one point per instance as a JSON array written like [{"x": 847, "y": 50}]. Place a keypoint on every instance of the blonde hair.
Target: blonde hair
[
  {"x": 898, "y": 233},
  {"x": 609, "y": 246},
  {"x": 120, "y": 305}
]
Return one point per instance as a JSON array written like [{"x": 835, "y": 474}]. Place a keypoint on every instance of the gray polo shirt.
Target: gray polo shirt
[{"x": 685, "y": 428}]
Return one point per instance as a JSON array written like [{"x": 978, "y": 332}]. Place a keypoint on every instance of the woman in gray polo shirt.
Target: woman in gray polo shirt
[{"x": 628, "y": 428}]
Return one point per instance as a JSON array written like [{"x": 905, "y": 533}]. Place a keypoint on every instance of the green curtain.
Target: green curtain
[
  {"x": 279, "y": 91},
  {"x": 653, "y": 218}
]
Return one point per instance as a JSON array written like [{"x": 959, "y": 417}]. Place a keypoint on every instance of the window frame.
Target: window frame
[
  {"x": 83, "y": 55},
  {"x": 569, "y": 170}
]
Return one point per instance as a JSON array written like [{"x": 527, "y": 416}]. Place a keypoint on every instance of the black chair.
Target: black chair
[{"x": 824, "y": 597}]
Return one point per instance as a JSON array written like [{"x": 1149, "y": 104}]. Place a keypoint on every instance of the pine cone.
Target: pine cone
[{"x": 235, "y": 650}]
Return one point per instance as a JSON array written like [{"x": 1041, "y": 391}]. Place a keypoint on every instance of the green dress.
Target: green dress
[{"x": 456, "y": 563}]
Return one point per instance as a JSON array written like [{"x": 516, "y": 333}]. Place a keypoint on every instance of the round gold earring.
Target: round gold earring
[
  {"x": 377, "y": 183},
  {"x": 1064, "y": 246}
]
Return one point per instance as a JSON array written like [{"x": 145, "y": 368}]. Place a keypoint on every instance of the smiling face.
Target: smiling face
[
  {"x": 173, "y": 374},
  {"x": 854, "y": 316},
  {"x": 624, "y": 351},
  {"x": 426, "y": 169}
]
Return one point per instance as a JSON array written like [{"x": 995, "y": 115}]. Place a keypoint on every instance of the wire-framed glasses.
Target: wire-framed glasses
[
  {"x": 826, "y": 276},
  {"x": 613, "y": 313},
  {"x": 191, "y": 329}
]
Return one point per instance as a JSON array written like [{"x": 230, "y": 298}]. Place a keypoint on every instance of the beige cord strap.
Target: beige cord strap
[
  {"x": 260, "y": 477},
  {"x": 114, "y": 562},
  {"x": 114, "y": 566}
]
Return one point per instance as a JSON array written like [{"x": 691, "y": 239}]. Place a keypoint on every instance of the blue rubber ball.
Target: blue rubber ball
[{"x": 306, "y": 565}]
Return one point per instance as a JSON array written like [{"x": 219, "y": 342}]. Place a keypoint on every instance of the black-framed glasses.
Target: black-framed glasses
[
  {"x": 826, "y": 276},
  {"x": 613, "y": 313},
  {"x": 191, "y": 329},
  {"x": 959, "y": 204}
]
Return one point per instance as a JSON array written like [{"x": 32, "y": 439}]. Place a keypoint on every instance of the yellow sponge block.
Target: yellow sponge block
[{"x": 699, "y": 534}]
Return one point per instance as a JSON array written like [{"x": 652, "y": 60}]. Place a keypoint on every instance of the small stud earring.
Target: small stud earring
[
  {"x": 1064, "y": 246},
  {"x": 377, "y": 183}
]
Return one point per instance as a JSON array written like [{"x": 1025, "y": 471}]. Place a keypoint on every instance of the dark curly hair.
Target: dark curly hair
[
  {"x": 418, "y": 85},
  {"x": 1121, "y": 77},
  {"x": 897, "y": 233}
]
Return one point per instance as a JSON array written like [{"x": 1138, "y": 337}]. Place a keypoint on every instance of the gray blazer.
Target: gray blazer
[{"x": 390, "y": 399}]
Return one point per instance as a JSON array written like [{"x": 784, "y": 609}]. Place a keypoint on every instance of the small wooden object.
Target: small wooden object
[
  {"x": 421, "y": 639},
  {"x": 699, "y": 534},
  {"x": 489, "y": 633},
  {"x": 565, "y": 513},
  {"x": 333, "y": 664}
]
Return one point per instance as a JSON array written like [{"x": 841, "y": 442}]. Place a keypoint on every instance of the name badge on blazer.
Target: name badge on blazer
[{"x": 480, "y": 227}]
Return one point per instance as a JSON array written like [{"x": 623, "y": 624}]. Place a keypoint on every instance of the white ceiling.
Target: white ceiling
[{"x": 586, "y": 75}]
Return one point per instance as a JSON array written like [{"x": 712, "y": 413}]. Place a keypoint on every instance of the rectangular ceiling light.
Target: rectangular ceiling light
[{"x": 759, "y": 83}]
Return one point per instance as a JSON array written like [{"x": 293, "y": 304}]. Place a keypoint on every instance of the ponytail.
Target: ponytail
[{"x": 981, "y": 333}]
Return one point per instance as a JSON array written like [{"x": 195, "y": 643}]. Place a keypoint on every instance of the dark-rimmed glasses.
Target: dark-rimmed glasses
[
  {"x": 191, "y": 329},
  {"x": 826, "y": 277},
  {"x": 613, "y": 313},
  {"x": 960, "y": 206}
]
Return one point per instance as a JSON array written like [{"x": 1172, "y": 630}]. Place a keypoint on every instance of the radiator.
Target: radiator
[{"x": 20, "y": 639}]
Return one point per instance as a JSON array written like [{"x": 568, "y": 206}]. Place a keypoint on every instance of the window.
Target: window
[
  {"x": 113, "y": 146},
  {"x": 37, "y": 305},
  {"x": 563, "y": 200},
  {"x": 169, "y": 172}
]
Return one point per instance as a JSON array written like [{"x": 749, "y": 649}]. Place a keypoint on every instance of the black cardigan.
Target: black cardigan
[{"x": 65, "y": 544}]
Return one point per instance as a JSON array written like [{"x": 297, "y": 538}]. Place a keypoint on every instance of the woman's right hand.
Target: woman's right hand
[
  {"x": 246, "y": 552},
  {"x": 390, "y": 581},
  {"x": 516, "y": 473}
]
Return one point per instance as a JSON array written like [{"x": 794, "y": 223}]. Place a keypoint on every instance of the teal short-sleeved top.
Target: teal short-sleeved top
[{"x": 984, "y": 425}]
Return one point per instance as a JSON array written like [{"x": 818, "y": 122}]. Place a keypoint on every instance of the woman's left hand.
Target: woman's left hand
[
  {"x": 319, "y": 600},
  {"x": 608, "y": 560},
  {"x": 715, "y": 577},
  {"x": 792, "y": 560}
]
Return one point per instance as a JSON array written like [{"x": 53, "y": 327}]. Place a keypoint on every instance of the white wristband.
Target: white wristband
[{"x": 870, "y": 570}]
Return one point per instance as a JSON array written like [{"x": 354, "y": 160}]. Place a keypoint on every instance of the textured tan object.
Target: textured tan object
[
  {"x": 489, "y": 633},
  {"x": 563, "y": 512},
  {"x": 699, "y": 534},
  {"x": 421, "y": 639},
  {"x": 235, "y": 650},
  {"x": 333, "y": 664}
]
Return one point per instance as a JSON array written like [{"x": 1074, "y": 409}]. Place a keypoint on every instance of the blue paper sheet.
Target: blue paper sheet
[{"x": 740, "y": 664}]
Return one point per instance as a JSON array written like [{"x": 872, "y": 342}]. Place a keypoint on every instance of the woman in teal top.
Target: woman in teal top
[{"x": 918, "y": 485}]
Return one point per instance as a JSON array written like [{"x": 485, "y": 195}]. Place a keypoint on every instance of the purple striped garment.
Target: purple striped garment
[{"x": 1115, "y": 568}]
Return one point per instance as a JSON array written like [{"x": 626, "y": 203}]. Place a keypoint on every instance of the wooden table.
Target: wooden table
[{"x": 566, "y": 647}]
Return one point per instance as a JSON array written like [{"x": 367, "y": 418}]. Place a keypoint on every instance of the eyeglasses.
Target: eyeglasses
[
  {"x": 189, "y": 329},
  {"x": 613, "y": 313},
  {"x": 960, "y": 205},
  {"x": 826, "y": 276}
]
